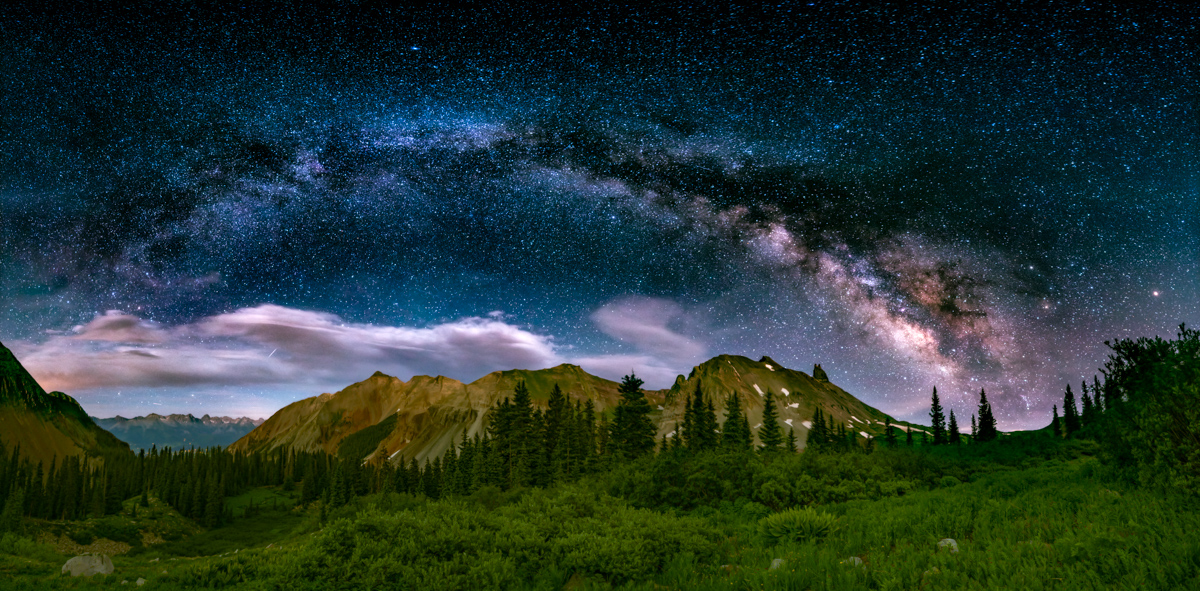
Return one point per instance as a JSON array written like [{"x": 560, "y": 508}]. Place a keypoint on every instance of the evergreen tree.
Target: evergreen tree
[
  {"x": 889, "y": 432},
  {"x": 974, "y": 428},
  {"x": 215, "y": 506},
  {"x": 955, "y": 437},
  {"x": 14, "y": 507},
  {"x": 908, "y": 438},
  {"x": 690, "y": 428},
  {"x": 1070, "y": 413},
  {"x": 770, "y": 434},
  {"x": 818, "y": 435},
  {"x": 1089, "y": 409},
  {"x": 1055, "y": 425},
  {"x": 603, "y": 437},
  {"x": 557, "y": 449},
  {"x": 987, "y": 420},
  {"x": 709, "y": 436},
  {"x": 937, "y": 419},
  {"x": 1099, "y": 396},
  {"x": 735, "y": 433},
  {"x": 791, "y": 440},
  {"x": 632, "y": 429}
]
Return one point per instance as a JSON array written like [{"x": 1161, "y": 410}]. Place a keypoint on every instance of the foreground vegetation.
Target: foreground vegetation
[{"x": 1104, "y": 503}]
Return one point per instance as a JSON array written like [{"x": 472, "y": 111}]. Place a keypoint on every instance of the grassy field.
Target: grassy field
[{"x": 1052, "y": 521}]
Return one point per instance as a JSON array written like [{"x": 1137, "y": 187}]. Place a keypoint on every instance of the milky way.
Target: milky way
[{"x": 226, "y": 211}]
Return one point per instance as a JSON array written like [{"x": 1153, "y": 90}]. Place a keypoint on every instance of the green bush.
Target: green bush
[{"x": 797, "y": 525}]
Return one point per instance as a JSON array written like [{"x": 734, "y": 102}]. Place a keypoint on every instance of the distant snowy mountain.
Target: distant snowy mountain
[{"x": 178, "y": 431}]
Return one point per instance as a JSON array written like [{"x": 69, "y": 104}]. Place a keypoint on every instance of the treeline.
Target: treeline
[{"x": 193, "y": 482}]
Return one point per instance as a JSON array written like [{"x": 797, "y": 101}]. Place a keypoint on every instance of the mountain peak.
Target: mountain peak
[{"x": 52, "y": 424}]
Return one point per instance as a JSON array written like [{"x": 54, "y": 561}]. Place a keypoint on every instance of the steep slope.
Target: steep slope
[
  {"x": 384, "y": 417},
  {"x": 797, "y": 396},
  {"x": 46, "y": 425},
  {"x": 177, "y": 431},
  {"x": 428, "y": 413}
]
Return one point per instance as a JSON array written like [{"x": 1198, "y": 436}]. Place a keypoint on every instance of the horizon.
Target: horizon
[{"x": 219, "y": 219}]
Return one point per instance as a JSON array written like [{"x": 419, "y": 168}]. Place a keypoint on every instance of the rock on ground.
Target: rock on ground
[
  {"x": 777, "y": 563},
  {"x": 948, "y": 543},
  {"x": 88, "y": 565}
]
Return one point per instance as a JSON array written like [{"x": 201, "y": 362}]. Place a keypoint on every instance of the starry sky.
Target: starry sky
[{"x": 215, "y": 210}]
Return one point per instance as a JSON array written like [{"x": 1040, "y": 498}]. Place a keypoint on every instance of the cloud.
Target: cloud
[
  {"x": 270, "y": 346},
  {"x": 642, "y": 322},
  {"x": 466, "y": 347},
  {"x": 119, "y": 327}
]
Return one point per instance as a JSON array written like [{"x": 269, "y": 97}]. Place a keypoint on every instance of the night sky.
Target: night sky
[{"x": 222, "y": 211}]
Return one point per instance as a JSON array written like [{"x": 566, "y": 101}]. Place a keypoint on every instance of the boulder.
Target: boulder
[
  {"x": 948, "y": 543},
  {"x": 141, "y": 582},
  {"x": 88, "y": 565},
  {"x": 777, "y": 563},
  {"x": 853, "y": 561}
]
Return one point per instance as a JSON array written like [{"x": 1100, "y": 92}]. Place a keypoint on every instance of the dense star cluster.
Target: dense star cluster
[{"x": 222, "y": 211}]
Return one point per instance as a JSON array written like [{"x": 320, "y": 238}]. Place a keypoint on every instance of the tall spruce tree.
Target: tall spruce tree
[
  {"x": 889, "y": 432},
  {"x": 1089, "y": 410},
  {"x": 632, "y": 429},
  {"x": 937, "y": 419},
  {"x": 818, "y": 437},
  {"x": 710, "y": 437},
  {"x": 1055, "y": 424},
  {"x": 690, "y": 428},
  {"x": 791, "y": 440},
  {"x": 955, "y": 437},
  {"x": 987, "y": 420},
  {"x": 735, "y": 433},
  {"x": 1070, "y": 413},
  {"x": 974, "y": 428},
  {"x": 771, "y": 435}
]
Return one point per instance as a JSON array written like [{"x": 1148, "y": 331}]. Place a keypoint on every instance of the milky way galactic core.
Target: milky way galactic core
[{"x": 223, "y": 211}]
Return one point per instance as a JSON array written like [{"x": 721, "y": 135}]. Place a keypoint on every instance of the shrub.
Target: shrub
[{"x": 797, "y": 525}]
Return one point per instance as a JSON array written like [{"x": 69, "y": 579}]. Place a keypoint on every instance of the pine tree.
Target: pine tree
[
  {"x": 974, "y": 428},
  {"x": 938, "y": 420},
  {"x": 733, "y": 436},
  {"x": 214, "y": 508},
  {"x": 709, "y": 436},
  {"x": 690, "y": 428},
  {"x": 1097, "y": 397},
  {"x": 557, "y": 422},
  {"x": 1055, "y": 425},
  {"x": 987, "y": 420},
  {"x": 1099, "y": 394},
  {"x": 908, "y": 438},
  {"x": 791, "y": 440},
  {"x": 1089, "y": 410},
  {"x": 818, "y": 437},
  {"x": 889, "y": 432},
  {"x": 14, "y": 507},
  {"x": 955, "y": 437},
  {"x": 771, "y": 434},
  {"x": 1070, "y": 413},
  {"x": 632, "y": 429}
]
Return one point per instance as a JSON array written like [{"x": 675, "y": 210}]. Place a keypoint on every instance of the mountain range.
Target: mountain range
[
  {"x": 384, "y": 417},
  {"x": 44, "y": 424},
  {"x": 178, "y": 431}
]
